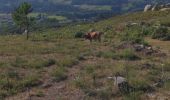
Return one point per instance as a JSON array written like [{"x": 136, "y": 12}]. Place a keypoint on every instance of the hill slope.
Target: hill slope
[{"x": 55, "y": 64}]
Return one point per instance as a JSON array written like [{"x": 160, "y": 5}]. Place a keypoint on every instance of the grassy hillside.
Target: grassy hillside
[{"x": 53, "y": 64}]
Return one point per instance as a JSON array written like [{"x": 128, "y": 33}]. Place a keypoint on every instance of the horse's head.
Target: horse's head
[{"x": 86, "y": 36}]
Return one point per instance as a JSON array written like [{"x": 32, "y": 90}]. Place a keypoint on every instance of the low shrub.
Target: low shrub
[
  {"x": 10, "y": 85},
  {"x": 147, "y": 31},
  {"x": 29, "y": 81},
  {"x": 126, "y": 54},
  {"x": 80, "y": 83},
  {"x": 107, "y": 54},
  {"x": 59, "y": 74},
  {"x": 161, "y": 33},
  {"x": 132, "y": 35},
  {"x": 33, "y": 63},
  {"x": 79, "y": 35},
  {"x": 68, "y": 62}
]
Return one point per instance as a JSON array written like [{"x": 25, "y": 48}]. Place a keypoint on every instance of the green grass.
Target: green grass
[
  {"x": 11, "y": 83},
  {"x": 34, "y": 14},
  {"x": 95, "y": 7},
  {"x": 67, "y": 62},
  {"x": 53, "y": 52},
  {"x": 36, "y": 63},
  {"x": 59, "y": 74},
  {"x": 127, "y": 54},
  {"x": 60, "y": 18}
]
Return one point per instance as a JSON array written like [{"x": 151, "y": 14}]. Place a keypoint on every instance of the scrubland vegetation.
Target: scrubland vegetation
[{"x": 60, "y": 64}]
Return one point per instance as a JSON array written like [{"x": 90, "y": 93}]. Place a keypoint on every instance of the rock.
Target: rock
[
  {"x": 131, "y": 24},
  {"x": 149, "y": 48},
  {"x": 147, "y": 8},
  {"x": 149, "y": 52},
  {"x": 151, "y": 95},
  {"x": 167, "y": 5},
  {"x": 139, "y": 47},
  {"x": 121, "y": 83},
  {"x": 25, "y": 32},
  {"x": 47, "y": 84},
  {"x": 155, "y": 8},
  {"x": 160, "y": 54},
  {"x": 160, "y": 83},
  {"x": 146, "y": 66},
  {"x": 124, "y": 87},
  {"x": 118, "y": 80},
  {"x": 164, "y": 9}
]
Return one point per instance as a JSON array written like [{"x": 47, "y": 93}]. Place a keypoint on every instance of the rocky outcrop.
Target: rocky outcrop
[
  {"x": 157, "y": 7},
  {"x": 147, "y": 8},
  {"x": 164, "y": 9}
]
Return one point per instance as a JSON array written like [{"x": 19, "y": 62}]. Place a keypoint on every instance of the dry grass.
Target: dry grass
[{"x": 78, "y": 69}]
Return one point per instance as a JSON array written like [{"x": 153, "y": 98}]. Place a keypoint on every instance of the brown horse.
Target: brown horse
[{"x": 93, "y": 36}]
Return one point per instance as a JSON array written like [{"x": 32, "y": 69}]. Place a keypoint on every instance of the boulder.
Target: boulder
[
  {"x": 164, "y": 9},
  {"x": 155, "y": 8},
  {"x": 121, "y": 83},
  {"x": 147, "y": 8},
  {"x": 139, "y": 47},
  {"x": 167, "y": 5},
  {"x": 159, "y": 83},
  {"x": 118, "y": 80}
]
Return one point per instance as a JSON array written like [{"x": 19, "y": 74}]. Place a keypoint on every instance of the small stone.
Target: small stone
[
  {"x": 46, "y": 85},
  {"x": 147, "y": 8}
]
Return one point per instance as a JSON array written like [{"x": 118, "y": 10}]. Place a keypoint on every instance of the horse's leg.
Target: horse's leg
[
  {"x": 90, "y": 40},
  {"x": 99, "y": 38}
]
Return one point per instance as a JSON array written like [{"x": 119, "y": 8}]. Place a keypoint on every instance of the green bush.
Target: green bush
[
  {"x": 161, "y": 33},
  {"x": 80, "y": 83},
  {"x": 11, "y": 85},
  {"x": 59, "y": 74},
  {"x": 107, "y": 54},
  {"x": 132, "y": 35},
  {"x": 126, "y": 54},
  {"x": 68, "y": 62},
  {"x": 147, "y": 31},
  {"x": 79, "y": 35},
  {"x": 33, "y": 63}
]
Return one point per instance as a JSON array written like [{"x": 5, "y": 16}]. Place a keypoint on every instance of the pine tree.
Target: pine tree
[{"x": 20, "y": 17}]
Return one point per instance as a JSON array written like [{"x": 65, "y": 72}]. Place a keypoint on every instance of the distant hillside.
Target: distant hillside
[
  {"x": 76, "y": 10},
  {"x": 69, "y": 5}
]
